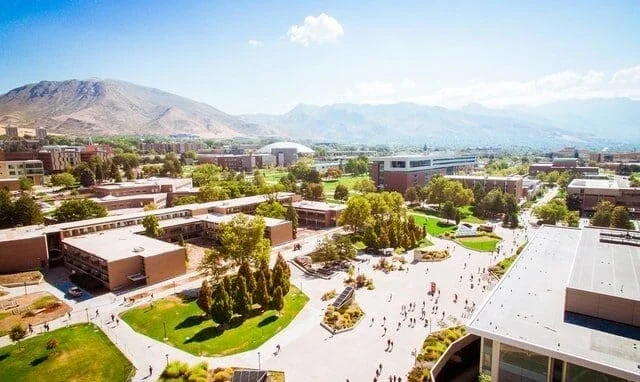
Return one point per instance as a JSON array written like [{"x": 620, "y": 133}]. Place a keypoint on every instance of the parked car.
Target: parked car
[{"x": 75, "y": 292}]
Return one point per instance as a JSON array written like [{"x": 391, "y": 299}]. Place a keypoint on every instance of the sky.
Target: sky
[{"x": 267, "y": 56}]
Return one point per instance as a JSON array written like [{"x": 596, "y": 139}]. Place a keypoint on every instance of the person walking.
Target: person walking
[{"x": 150, "y": 370}]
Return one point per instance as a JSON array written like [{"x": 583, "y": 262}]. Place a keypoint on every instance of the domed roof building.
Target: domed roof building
[{"x": 286, "y": 153}]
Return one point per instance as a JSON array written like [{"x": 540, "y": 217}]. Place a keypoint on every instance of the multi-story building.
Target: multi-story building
[
  {"x": 102, "y": 152},
  {"x": 41, "y": 133},
  {"x": 397, "y": 173},
  {"x": 35, "y": 247},
  {"x": 286, "y": 153},
  {"x": 568, "y": 310},
  {"x": 317, "y": 214},
  {"x": 11, "y": 131},
  {"x": 31, "y": 169},
  {"x": 508, "y": 184},
  {"x": 560, "y": 165},
  {"x": 240, "y": 163},
  {"x": 171, "y": 147},
  {"x": 139, "y": 193},
  {"x": 587, "y": 193}
]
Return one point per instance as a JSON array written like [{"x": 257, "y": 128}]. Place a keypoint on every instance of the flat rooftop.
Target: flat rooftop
[
  {"x": 112, "y": 198},
  {"x": 144, "y": 183},
  {"x": 256, "y": 199},
  {"x": 19, "y": 233},
  {"x": 423, "y": 156},
  {"x": 606, "y": 268},
  {"x": 526, "y": 309},
  {"x": 120, "y": 244},
  {"x": 594, "y": 183},
  {"x": 220, "y": 219},
  {"x": 484, "y": 177},
  {"x": 318, "y": 206}
]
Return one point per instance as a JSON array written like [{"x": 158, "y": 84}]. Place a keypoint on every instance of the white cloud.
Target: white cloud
[
  {"x": 316, "y": 30},
  {"x": 255, "y": 42},
  {"x": 567, "y": 85}
]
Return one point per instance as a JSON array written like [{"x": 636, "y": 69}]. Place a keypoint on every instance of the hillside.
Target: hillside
[{"x": 109, "y": 107}]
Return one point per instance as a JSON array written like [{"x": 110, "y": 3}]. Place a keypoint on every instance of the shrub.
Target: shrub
[
  {"x": 329, "y": 295},
  {"x": 222, "y": 374},
  {"x": 52, "y": 344}
]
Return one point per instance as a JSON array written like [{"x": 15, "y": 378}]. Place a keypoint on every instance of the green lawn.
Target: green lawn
[
  {"x": 273, "y": 175},
  {"x": 83, "y": 353},
  {"x": 468, "y": 217},
  {"x": 479, "y": 243},
  {"x": 502, "y": 267},
  {"x": 189, "y": 331},
  {"x": 347, "y": 180},
  {"x": 435, "y": 226}
]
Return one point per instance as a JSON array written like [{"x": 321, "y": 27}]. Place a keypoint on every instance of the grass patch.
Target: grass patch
[
  {"x": 433, "y": 347},
  {"x": 359, "y": 245},
  {"x": 20, "y": 277},
  {"x": 347, "y": 180},
  {"x": 189, "y": 331},
  {"x": 435, "y": 226},
  {"x": 479, "y": 243},
  {"x": 343, "y": 318},
  {"x": 83, "y": 353},
  {"x": 502, "y": 267}
]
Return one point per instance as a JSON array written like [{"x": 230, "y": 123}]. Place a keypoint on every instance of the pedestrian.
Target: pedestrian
[
  {"x": 113, "y": 318},
  {"x": 150, "y": 370},
  {"x": 117, "y": 321},
  {"x": 97, "y": 313},
  {"x": 380, "y": 366},
  {"x": 371, "y": 321},
  {"x": 390, "y": 296},
  {"x": 385, "y": 331},
  {"x": 30, "y": 328},
  {"x": 69, "y": 315}
]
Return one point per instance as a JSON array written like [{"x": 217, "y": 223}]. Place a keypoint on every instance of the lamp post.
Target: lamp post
[
  {"x": 167, "y": 357},
  {"x": 258, "y": 360},
  {"x": 25, "y": 288},
  {"x": 87, "y": 311},
  {"x": 164, "y": 325}
]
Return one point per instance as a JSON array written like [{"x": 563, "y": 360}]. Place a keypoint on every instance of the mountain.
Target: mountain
[
  {"x": 408, "y": 123},
  {"x": 109, "y": 107}
]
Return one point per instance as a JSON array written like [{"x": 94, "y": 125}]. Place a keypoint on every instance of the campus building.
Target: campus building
[
  {"x": 55, "y": 159},
  {"x": 286, "y": 153},
  {"x": 239, "y": 163},
  {"x": 397, "y": 173},
  {"x": 31, "y": 169},
  {"x": 106, "y": 247},
  {"x": 139, "y": 193},
  {"x": 171, "y": 147},
  {"x": 318, "y": 214},
  {"x": 587, "y": 193},
  {"x": 568, "y": 310},
  {"x": 560, "y": 165},
  {"x": 509, "y": 184}
]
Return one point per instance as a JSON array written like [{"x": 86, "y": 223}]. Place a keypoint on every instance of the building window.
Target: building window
[
  {"x": 522, "y": 365},
  {"x": 577, "y": 373},
  {"x": 398, "y": 164},
  {"x": 420, "y": 163},
  {"x": 487, "y": 351}
]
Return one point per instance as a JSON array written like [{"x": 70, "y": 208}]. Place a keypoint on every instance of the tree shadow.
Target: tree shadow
[
  {"x": 4, "y": 356},
  {"x": 205, "y": 334},
  {"x": 267, "y": 320},
  {"x": 191, "y": 321},
  {"x": 39, "y": 360}
]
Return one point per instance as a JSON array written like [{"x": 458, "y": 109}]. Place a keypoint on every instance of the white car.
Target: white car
[{"x": 75, "y": 292}]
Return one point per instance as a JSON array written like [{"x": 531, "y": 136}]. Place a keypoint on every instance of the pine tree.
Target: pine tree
[
  {"x": 277, "y": 279},
  {"x": 228, "y": 286},
  {"x": 277, "y": 301},
  {"x": 261, "y": 293},
  {"x": 285, "y": 267},
  {"x": 245, "y": 271},
  {"x": 204, "y": 300},
  {"x": 266, "y": 272},
  {"x": 242, "y": 298},
  {"x": 292, "y": 216},
  {"x": 221, "y": 307}
]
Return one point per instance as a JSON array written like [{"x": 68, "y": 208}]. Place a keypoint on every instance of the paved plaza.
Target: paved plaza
[{"x": 308, "y": 351}]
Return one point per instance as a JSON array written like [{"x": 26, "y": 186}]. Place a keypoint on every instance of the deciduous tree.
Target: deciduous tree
[
  {"x": 78, "y": 209},
  {"x": 205, "y": 298}
]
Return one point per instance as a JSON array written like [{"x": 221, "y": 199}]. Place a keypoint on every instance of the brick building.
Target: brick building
[
  {"x": 397, "y": 173},
  {"x": 317, "y": 214},
  {"x": 239, "y": 163},
  {"x": 560, "y": 165},
  {"x": 32, "y": 169},
  {"x": 587, "y": 193},
  {"x": 508, "y": 184}
]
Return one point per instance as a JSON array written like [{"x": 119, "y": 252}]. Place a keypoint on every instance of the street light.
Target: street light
[
  {"x": 164, "y": 324},
  {"x": 167, "y": 356},
  {"x": 258, "y": 360}
]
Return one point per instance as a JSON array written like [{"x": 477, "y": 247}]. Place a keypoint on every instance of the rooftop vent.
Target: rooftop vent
[{"x": 138, "y": 249}]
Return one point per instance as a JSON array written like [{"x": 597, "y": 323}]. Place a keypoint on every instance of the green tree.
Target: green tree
[
  {"x": 242, "y": 298},
  {"x": 292, "y": 216},
  {"x": 411, "y": 195},
  {"x": 26, "y": 211},
  {"x": 364, "y": 186},
  {"x": 171, "y": 165},
  {"x": 63, "y": 179},
  {"x": 78, "y": 209},
  {"x": 266, "y": 272},
  {"x": 17, "y": 333},
  {"x": 357, "y": 166},
  {"x": 205, "y": 174},
  {"x": 242, "y": 239},
  {"x": 435, "y": 189},
  {"x": 181, "y": 201},
  {"x": 213, "y": 264},
  {"x": 271, "y": 209},
  {"x": 312, "y": 191},
  {"x": 620, "y": 218},
  {"x": 510, "y": 204},
  {"x": 602, "y": 217},
  {"x": 6, "y": 209},
  {"x": 449, "y": 210},
  {"x": 478, "y": 192},
  {"x": 261, "y": 293},
  {"x": 211, "y": 192},
  {"x": 26, "y": 184},
  {"x": 221, "y": 306},
  {"x": 355, "y": 215},
  {"x": 455, "y": 193},
  {"x": 341, "y": 192},
  {"x": 151, "y": 226},
  {"x": 572, "y": 219},
  {"x": 245, "y": 271},
  {"x": 552, "y": 212},
  {"x": 205, "y": 297},
  {"x": 277, "y": 300},
  {"x": 326, "y": 251}
]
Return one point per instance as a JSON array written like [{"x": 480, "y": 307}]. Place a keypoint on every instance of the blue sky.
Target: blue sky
[{"x": 250, "y": 57}]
